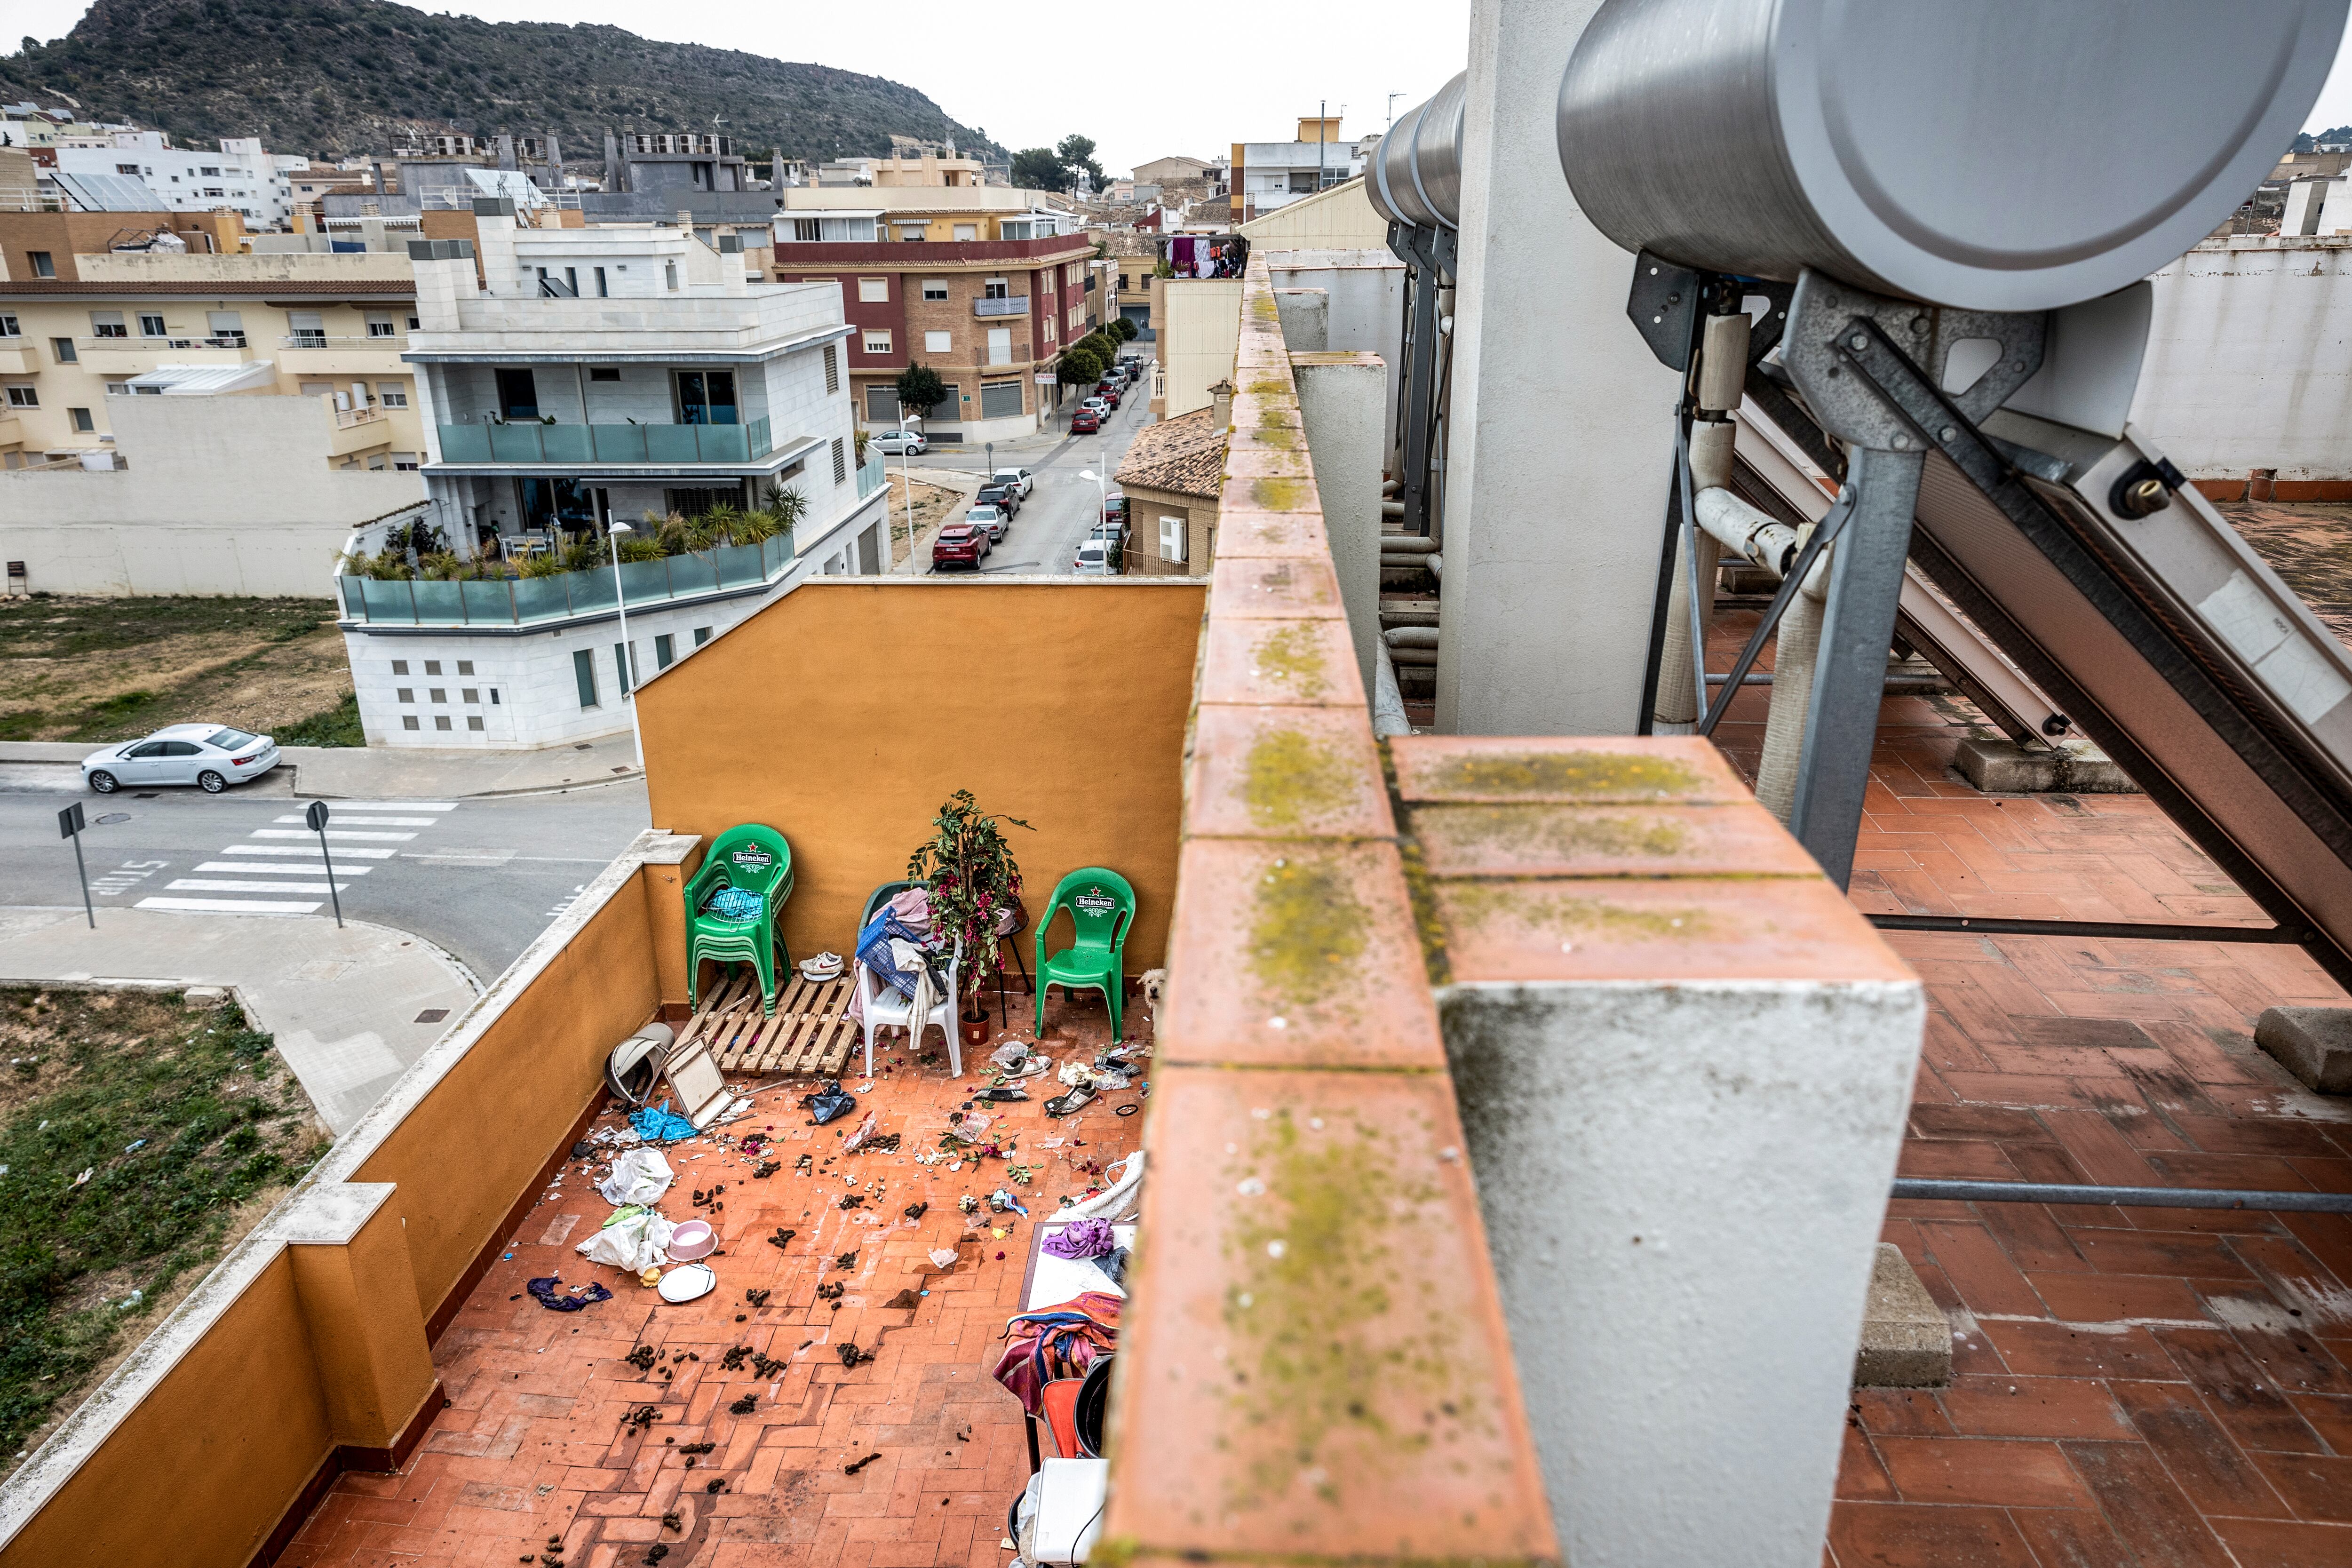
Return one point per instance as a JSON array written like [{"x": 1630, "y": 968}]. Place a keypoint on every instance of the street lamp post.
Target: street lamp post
[
  {"x": 914, "y": 424},
  {"x": 617, "y": 532}
]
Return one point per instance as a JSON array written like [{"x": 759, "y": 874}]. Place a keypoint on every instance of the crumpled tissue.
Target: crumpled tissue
[{"x": 638, "y": 1177}]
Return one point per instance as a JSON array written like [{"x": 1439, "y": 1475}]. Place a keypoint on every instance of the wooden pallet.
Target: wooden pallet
[{"x": 810, "y": 1035}]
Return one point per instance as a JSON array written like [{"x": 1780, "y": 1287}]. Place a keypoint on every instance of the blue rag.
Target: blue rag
[
  {"x": 873, "y": 951},
  {"x": 655, "y": 1124},
  {"x": 735, "y": 904}
]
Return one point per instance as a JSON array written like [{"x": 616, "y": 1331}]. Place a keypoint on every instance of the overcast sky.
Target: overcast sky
[{"x": 1190, "y": 76}]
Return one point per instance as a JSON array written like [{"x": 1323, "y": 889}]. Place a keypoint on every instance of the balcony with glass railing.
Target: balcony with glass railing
[
  {"x": 1015, "y": 305},
  {"x": 563, "y": 595},
  {"x": 587, "y": 444}
]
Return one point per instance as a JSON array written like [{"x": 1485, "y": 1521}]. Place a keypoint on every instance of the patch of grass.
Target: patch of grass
[
  {"x": 177, "y": 1116},
  {"x": 337, "y": 726}
]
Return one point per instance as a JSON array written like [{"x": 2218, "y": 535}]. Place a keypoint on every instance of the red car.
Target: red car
[
  {"x": 960, "y": 544},
  {"x": 1108, "y": 392},
  {"x": 1084, "y": 423}
]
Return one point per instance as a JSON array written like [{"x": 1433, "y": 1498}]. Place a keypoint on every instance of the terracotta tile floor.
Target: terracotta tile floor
[
  {"x": 535, "y": 1446},
  {"x": 2132, "y": 1386}
]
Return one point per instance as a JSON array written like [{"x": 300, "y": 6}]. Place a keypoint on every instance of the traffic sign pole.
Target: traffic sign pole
[
  {"x": 69, "y": 826},
  {"x": 315, "y": 816}
]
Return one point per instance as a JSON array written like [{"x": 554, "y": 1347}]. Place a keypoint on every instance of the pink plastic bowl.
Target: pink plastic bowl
[{"x": 691, "y": 1240}]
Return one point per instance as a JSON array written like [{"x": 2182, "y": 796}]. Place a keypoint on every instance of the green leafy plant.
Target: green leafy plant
[
  {"x": 972, "y": 877},
  {"x": 1080, "y": 365},
  {"x": 1123, "y": 328},
  {"x": 920, "y": 388}
]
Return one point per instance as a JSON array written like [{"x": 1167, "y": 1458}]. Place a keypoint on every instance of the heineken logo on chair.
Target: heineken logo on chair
[
  {"x": 751, "y": 858},
  {"x": 1094, "y": 902}
]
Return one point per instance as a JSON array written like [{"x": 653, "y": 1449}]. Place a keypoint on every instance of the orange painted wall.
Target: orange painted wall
[
  {"x": 463, "y": 1156},
  {"x": 201, "y": 1471},
  {"x": 846, "y": 712}
]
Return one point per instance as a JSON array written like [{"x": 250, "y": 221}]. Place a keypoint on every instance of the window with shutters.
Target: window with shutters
[
  {"x": 935, "y": 288},
  {"x": 840, "y": 463},
  {"x": 874, "y": 291},
  {"x": 832, "y": 368}
]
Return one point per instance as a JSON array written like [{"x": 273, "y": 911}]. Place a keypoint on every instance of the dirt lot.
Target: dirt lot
[
  {"x": 934, "y": 505},
  {"x": 110, "y": 669}
]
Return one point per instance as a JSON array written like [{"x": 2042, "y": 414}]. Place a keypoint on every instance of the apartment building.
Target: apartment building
[
  {"x": 41, "y": 246},
  {"x": 982, "y": 285},
  {"x": 585, "y": 376},
  {"x": 1270, "y": 174},
  {"x": 240, "y": 176},
  {"x": 128, "y": 325}
]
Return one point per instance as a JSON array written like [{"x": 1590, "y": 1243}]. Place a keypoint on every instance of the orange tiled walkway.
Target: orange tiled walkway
[
  {"x": 535, "y": 1447},
  {"x": 2134, "y": 1388}
]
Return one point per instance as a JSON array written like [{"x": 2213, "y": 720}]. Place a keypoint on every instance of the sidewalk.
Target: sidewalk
[
  {"x": 346, "y": 1006},
  {"x": 394, "y": 773}
]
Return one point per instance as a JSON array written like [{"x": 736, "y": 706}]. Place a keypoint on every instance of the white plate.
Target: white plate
[{"x": 688, "y": 1281}]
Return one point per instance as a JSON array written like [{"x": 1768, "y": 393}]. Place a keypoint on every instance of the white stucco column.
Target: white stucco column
[
  {"x": 1562, "y": 431},
  {"x": 1343, "y": 400}
]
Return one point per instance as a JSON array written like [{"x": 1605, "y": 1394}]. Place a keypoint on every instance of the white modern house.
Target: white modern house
[
  {"x": 240, "y": 177},
  {"x": 587, "y": 378}
]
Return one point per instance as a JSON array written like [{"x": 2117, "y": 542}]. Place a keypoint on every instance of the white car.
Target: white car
[
  {"x": 899, "y": 443},
  {"x": 989, "y": 517},
  {"x": 210, "y": 756},
  {"x": 1098, "y": 557},
  {"x": 1021, "y": 479}
]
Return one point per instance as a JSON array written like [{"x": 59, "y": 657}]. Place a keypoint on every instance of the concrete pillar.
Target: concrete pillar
[
  {"x": 1343, "y": 402},
  {"x": 349, "y": 1246},
  {"x": 1562, "y": 431},
  {"x": 1684, "y": 1063},
  {"x": 1306, "y": 316}
]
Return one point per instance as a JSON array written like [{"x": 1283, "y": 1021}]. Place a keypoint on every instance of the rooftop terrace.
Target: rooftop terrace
[{"x": 1521, "y": 1119}]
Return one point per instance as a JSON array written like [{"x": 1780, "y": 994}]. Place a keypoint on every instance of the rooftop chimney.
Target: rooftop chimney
[{"x": 1221, "y": 407}]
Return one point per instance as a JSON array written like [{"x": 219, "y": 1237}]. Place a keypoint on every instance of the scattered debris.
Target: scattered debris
[
  {"x": 916, "y": 1211},
  {"x": 851, "y": 1356},
  {"x": 847, "y": 1260},
  {"x": 643, "y": 1358},
  {"x": 757, "y": 1298},
  {"x": 745, "y": 1406},
  {"x": 643, "y": 1416},
  {"x": 782, "y": 1238},
  {"x": 831, "y": 1292},
  {"x": 855, "y": 1466}
]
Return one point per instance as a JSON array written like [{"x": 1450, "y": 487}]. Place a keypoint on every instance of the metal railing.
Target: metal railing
[
  {"x": 135, "y": 344},
  {"x": 872, "y": 475},
  {"x": 347, "y": 417},
  {"x": 535, "y": 443},
  {"x": 1017, "y": 305},
  {"x": 342, "y": 341},
  {"x": 529, "y": 601}
]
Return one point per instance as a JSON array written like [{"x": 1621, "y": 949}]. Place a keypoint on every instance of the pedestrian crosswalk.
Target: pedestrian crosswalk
[{"x": 282, "y": 871}]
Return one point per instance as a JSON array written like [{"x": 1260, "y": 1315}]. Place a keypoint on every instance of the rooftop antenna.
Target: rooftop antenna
[{"x": 1393, "y": 98}]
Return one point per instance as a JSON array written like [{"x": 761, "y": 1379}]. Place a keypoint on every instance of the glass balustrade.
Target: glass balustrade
[
  {"x": 586, "y": 445},
  {"x": 524, "y": 601}
]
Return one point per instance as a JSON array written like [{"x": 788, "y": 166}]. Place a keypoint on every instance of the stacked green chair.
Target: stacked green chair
[
  {"x": 1101, "y": 907},
  {"x": 753, "y": 860}
]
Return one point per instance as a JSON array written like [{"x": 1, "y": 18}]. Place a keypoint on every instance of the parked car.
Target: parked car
[
  {"x": 960, "y": 544},
  {"x": 1109, "y": 390},
  {"x": 1113, "y": 528},
  {"x": 899, "y": 443},
  {"x": 1021, "y": 479},
  {"x": 993, "y": 519},
  {"x": 1085, "y": 422},
  {"x": 1004, "y": 498},
  {"x": 210, "y": 756},
  {"x": 1115, "y": 507},
  {"x": 1098, "y": 557}
]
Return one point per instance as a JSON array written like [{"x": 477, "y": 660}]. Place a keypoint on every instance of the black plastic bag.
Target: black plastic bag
[{"x": 829, "y": 1104}]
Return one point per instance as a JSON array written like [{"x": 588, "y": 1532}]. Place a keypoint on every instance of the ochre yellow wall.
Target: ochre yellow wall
[
  {"x": 846, "y": 713},
  {"x": 201, "y": 1469},
  {"x": 463, "y": 1156}
]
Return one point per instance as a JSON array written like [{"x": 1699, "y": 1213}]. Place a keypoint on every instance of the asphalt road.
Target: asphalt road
[
  {"x": 1064, "y": 505},
  {"x": 481, "y": 877}
]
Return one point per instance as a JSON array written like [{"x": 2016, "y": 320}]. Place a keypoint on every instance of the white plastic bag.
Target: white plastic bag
[
  {"x": 637, "y": 1243},
  {"x": 639, "y": 1176}
]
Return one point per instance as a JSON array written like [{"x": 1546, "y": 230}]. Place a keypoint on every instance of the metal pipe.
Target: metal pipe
[
  {"x": 1921, "y": 1189},
  {"x": 1758, "y": 537},
  {"x": 2117, "y": 930}
]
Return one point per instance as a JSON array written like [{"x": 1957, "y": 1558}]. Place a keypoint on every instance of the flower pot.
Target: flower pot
[{"x": 975, "y": 1028}]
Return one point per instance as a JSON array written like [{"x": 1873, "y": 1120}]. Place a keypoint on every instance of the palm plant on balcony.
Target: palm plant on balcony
[{"x": 973, "y": 880}]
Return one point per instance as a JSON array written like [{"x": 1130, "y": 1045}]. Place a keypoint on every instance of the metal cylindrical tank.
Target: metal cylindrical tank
[
  {"x": 1999, "y": 154},
  {"x": 1416, "y": 170}
]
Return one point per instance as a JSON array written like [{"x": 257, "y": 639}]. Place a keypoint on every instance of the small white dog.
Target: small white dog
[{"x": 1154, "y": 985}]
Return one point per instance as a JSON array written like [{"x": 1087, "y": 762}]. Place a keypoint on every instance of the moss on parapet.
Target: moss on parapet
[
  {"x": 1307, "y": 930},
  {"x": 1563, "y": 833},
  {"x": 1480, "y": 903},
  {"x": 1278, "y": 492},
  {"x": 1293, "y": 657},
  {"x": 1293, "y": 779},
  {"x": 1593, "y": 775},
  {"x": 1325, "y": 1348}
]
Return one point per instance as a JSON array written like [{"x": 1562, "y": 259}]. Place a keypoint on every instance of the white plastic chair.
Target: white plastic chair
[{"x": 883, "y": 1007}]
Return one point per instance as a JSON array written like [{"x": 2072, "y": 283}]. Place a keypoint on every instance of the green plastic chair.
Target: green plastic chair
[
  {"x": 756, "y": 860},
  {"x": 1101, "y": 907}
]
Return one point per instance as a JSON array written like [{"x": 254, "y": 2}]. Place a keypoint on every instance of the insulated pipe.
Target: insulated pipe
[
  {"x": 1407, "y": 544},
  {"x": 1675, "y": 711},
  {"x": 1924, "y": 151},
  {"x": 1388, "y": 699},
  {"x": 1795, "y": 649},
  {"x": 1758, "y": 537},
  {"x": 1410, "y": 637}
]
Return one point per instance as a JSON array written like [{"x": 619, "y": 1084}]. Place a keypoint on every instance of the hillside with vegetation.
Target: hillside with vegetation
[{"x": 337, "y": 78}]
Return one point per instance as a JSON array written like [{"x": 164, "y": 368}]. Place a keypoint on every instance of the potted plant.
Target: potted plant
[{"x": 973, "y": 880}]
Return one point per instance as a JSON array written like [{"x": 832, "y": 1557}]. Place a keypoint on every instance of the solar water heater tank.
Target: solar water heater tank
[
  {"x": 1416, "y": 170},
  {"x": 1998, "y": 155}
]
